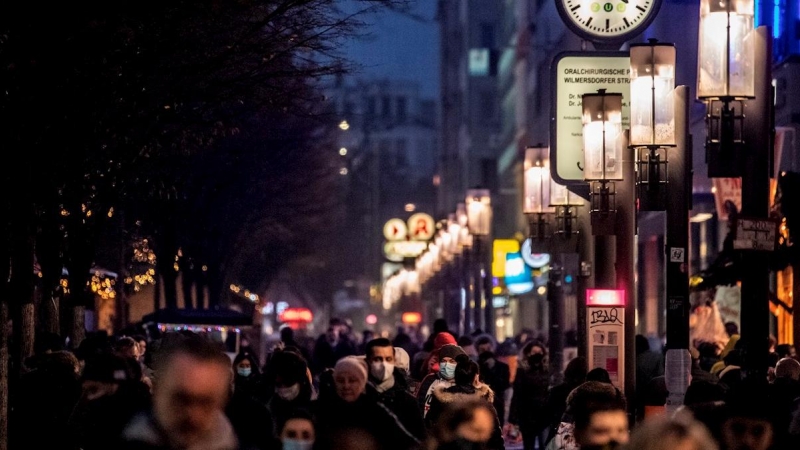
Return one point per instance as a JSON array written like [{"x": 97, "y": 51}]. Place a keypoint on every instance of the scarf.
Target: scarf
[{"x": 384, "y": 385}]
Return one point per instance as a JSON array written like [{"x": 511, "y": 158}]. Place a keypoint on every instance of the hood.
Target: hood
[{"x": 451, "y": 394}]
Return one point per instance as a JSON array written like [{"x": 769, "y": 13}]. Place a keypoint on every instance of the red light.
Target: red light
[
  {"x": 303, "y": 315},
  {"x": 412, "y": 317},
  {"x": 605, "y": 297},
  {"x": 371, "y": 319}
]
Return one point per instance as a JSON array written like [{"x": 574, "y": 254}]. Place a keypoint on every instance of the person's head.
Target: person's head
[
  {"x": 350, "y": 378},
  {"x": 441, "y": 339},
  {"x": 104, "y": 373},
  {"x": 297, "y": 432},
  {"x": 533, "y": 347},
  {"x": 788, "y": 368},
  {"x": 245, "y": 366},
  {"x": 367, "y": 335},
  {"x": 598, "y": 374},
  {"x": 287, "y": 371},
  {"x": 663, "y": 433},
  {"x": 467, "y": 371},
  {"x": 332, "y": 335},
  {"x": 126, "y": 347},
  {"x": 439, "y": 325},
  {"x": 484, "y": 343},
  {"x": 642, "y": 344},
  {"x": 600, "y": 415},
  {"x": 191, "y": 389},
  {"x": 287, "y": 334},
  {"x": 464, "y": 424},
  {"x": 61, "y": 362},
  {"x": 402, "y": 360},
  {"x": 747, "y": 424},
  {"x": 466, "y": 343},
  {"x": 447, "y": 360},
  {"x": 575, "y": 372},
  {"x": 380, "y": 357},
  {"x": 785, "y": 351},
  {"x": 731, "y": 328}
]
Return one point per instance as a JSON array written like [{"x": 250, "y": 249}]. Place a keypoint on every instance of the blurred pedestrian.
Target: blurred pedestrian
[
  {"x": 664, "y": 433},
  {"x": 463, "y": 425},
  {"x": 189, "y": 398},
  {"x": 446, "y": 356}
]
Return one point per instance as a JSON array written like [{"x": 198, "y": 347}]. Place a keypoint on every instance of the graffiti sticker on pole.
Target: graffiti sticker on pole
[{"x": 574, "y": 74}]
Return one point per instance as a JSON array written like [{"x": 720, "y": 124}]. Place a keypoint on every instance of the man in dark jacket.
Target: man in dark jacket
[{"x": 388, "y": 385}]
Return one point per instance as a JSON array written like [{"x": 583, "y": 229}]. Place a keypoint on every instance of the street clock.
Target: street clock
[{"x": 607, "y": 22}]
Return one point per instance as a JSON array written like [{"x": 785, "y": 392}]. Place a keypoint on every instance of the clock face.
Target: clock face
[{"x": 610, "y": 20}]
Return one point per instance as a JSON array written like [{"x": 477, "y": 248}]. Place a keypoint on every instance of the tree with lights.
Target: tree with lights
[{"x": 111, "y": 105}]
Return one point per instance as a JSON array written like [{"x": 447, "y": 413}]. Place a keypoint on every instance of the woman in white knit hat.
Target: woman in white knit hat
[{"x": 350, "y": 410}]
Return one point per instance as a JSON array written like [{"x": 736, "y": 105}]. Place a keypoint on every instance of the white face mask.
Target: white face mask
[
  {"x": 381, "y": 370},
  {"x": 288, "y": 393}
]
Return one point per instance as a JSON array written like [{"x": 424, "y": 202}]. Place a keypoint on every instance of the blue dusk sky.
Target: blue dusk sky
[{"x": 401, "y": 47}]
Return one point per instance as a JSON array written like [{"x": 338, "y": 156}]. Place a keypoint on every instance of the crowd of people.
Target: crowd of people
[{"x": 181, "y": 391}]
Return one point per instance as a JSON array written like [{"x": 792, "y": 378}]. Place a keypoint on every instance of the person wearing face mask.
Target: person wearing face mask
[
  {"x": 247, "y": 414},
  {"x": 467, "y": 387},
  {"x": 464, "y": 425},
  {"x": 388, "y": 384},
  {"x": 298, "y": 432},
  {"x": 288, "y": 386},
  {"x": 443, "y": 377}
]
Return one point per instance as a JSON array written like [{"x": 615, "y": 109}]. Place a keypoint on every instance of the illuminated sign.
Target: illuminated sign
[
  {"x": 398, "y": 250},
  {"x": 412, "y": 317},
  {"x": 421, "y": 227},
  {"x": 518, "y": 274},
  {"x": 534, "y": 260},
  {"x": 395, "y": 230},
  {"x": 500, "y": 248},
  {"x": 303, "y": 315},
  {"x": 605, "y": 297},
  {"x": 479, "y": 60}
]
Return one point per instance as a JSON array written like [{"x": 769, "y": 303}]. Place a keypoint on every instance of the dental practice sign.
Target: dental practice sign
[
  {"x": 407, "y": 238},
  {"x": 574, "y": 74}
]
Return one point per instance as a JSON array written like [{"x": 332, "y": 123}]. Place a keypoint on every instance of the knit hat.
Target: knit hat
[
  {"x": 450, "y": 351},
  {"x": 401, "y": 359},
  {"x": 352, "y": 364},
  {"x": 443, "y": 338}
]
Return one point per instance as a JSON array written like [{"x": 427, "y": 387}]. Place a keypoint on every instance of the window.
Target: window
[
  {"x": 371, "y": 106},
  {"x": 401, "y": 109},
  {"x": 487, "y": 35},
  {"x": 386, "y": 107},
  {"x": 401, "y": 153}
]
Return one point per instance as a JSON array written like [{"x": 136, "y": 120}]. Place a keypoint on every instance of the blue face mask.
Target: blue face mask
[
  {"x": 447, "y": 370},
  {"x": 244, "y": 371},
  {"x": 297, "y": 444}
]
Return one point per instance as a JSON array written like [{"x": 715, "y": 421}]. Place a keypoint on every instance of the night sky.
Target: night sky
[{"x": 401, "y": 47}]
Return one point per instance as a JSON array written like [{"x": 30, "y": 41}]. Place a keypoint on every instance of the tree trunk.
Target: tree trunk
[
  {"x": 22, "y": 292},
  {"x": 26, "y": 321},
  {"x": 4, "y": 364},
  {"x": 50, "y": 315},
  {"x": 78, "y": 328},
  {"x": 796, "y": 305}
]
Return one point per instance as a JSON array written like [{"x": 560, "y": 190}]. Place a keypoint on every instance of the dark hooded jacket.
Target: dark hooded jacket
[
  {"x": 401, "y": 403},
  {"x": 444, "y": 396}
]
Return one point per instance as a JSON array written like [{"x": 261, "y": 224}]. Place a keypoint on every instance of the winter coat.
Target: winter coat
[
  {"x": 401, "y": 403},
  {"x": 529, "y": 402},
  {"x": 445, "y": 396},
  {"x": 332, "y": 415}
]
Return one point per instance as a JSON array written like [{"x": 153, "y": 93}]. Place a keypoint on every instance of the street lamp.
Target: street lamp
[
  {"x": 725, "y": 78},
  {"x": 603, "y": 144},
  {"x": 536, "y": 199},
  {"x": 479, "y": 220},
  {"x": 652, "y": 118},
  {"x": 565, "y": 204}
]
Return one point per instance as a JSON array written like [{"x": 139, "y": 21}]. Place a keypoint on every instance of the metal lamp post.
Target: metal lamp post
[
  {"x": 610, "y": 171},
  {"x": 652, "y": 118},
  {"x": 479, "y": 219},
  {"x": 734, "y": 77}
]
